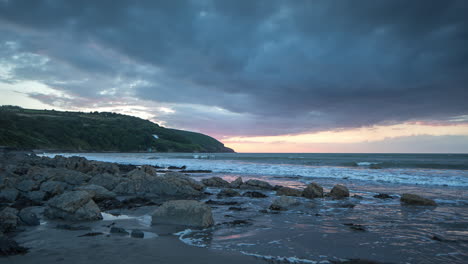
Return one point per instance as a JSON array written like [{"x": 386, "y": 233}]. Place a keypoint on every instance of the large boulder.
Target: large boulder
[
  {"x": 413, "y": 199},
  {"x": 36, "y": 196},
  {"x": 98, "y": 193},
  {"x": 52, "y": 188},
  {"x": 8, "y": 220},
  {"x": 28, "y": 217},
  {"x": 287, "y": 191},
  {"x": 99, "y": 167},
  {"x": 339, "y": 192},
  {"x": 61, "y": 174},
  {"x": 283, "y": 203},
  {"x": 257, "y": 184},
  {"x": 313, "y": 190},
  {"x": 27, "y": 185},
  {"x": 184, "y": 212},
  {"x": 106, "y": 180},
  {"x": 73, "y": 206},
  {"x": 237, "y": 183},
  {"x": 216, "y": 182},
  {"x": 73, "y": 163},
  {"x": 9, "y": 194},
  {"x": 149, "y": 170},
  {"x": 174, "y": 185}
]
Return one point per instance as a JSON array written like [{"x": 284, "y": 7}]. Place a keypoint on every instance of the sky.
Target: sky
[{"x": 258, "y": 75}]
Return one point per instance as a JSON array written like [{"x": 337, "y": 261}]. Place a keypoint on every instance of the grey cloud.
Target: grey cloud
[{"x": 284, "y": 66}]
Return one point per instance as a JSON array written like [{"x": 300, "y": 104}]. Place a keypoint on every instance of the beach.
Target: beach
[{"x": 371, "y": 223}]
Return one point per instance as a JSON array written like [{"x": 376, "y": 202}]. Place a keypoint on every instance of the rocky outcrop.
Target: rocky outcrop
[
  {"x": 254, "y": 195},
  {"x": 9, "y": 194},
  {"x": 98, "y": 193},
  {"x": 216, "y": 182},
  {"x": 257, "y": 185},
  {"x": 339, "y": 192},
  {"x": 237, "y": 183},
  {"x": 8, "y": 220},
  {"x": 283, "y": 203},
  {"x": 73, "y": 206},
  {"x": 53, "y": 188},
  {"x": 106, "y": 180},
  {"x": 184, "y": 212},
  {"x": 413, "y": 199},
  {"x": 313, "y": 190},
  {"x": 287, "y": 191},
  {"x": 173, "y": 184}
]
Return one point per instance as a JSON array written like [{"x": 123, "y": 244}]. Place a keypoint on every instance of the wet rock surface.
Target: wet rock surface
[
  {"x": 413, "y": 199},
  {"x": 183, "y": 212}
]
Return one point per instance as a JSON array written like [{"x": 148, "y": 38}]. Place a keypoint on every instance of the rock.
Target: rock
[
  {"x": 73, "y": 206},
  {"x": 346, "y": 205},
  {"x": 27, "y": 185},
  {"x": 53, "y": 188},
  {"x": 27, "y": 217},
  {"x": 383, "y": 196},
  {"x": 339, "y": 191},
  {"x": 118, "y": 230},
  {"x": 125, "y": 168},
  {"x": 257, "y": 184},
  {"x": 9, "y": 247},
  {"x": 283, "y": 203},
  {"x": 184, "y": 212},
  {"x": 37, "y": 196},
  {"x": 287, "y": 191},
  {"x": 196, "y": 171},
  {"x": 92, "y": 234},
  {"x": 74, "y": 177},
  {"x": 254, "y": 195},
  {"x": 313, "y": 190},
  {"x": 24, "y": 202},
  {"x": 9, "y": 194},
  {"x": 98, "y": 193},
  {"x": 8, "y": 220},
  {"x": 212, "y": 202},
  {"x": 99, "y": 167},
  {"x": 176, "y": 168},
  {"x": 228, "y": 193},
  {"x": 149, "y": 170},
  {"x": 355, "y": 227},
  {"x": 174, "y": 185},
  {"x": 413, "y": 199},
  {"x": 237, "y": 183},
  {"x": 106, "y": 180},
  {"x": 216, "y": 182},
  {"x": 72, "y": 227},
  {"x": 236, "y": 209},
  {"x": 137, "y": 233}
]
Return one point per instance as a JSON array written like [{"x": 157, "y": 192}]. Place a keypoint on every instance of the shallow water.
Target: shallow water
[{"x": 316, "y": 230}]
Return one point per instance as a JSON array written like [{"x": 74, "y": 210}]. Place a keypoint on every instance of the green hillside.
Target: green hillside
[{"x": 95, "y": 131}]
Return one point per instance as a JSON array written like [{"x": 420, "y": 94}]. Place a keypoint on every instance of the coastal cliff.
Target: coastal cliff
[{"x": 95, "y": 131}]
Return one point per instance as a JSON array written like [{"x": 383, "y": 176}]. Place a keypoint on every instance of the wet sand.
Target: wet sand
[{"x": 51, "y": 245}]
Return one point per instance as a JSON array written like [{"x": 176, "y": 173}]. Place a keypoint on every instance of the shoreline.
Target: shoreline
[{"x": 255, "y": 221}]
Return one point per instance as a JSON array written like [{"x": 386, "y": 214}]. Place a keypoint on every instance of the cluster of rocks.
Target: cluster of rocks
[{"x": 76, "y": 189}]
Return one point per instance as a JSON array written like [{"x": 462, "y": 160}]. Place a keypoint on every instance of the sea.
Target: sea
[{"x": 324, "y": 230}]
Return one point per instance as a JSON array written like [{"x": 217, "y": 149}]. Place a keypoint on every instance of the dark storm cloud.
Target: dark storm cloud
[{"x": 286, "y": 66}]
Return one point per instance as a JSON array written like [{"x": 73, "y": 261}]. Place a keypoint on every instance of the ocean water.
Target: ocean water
[
  {"x": 318, "y": 230},
  {"x": 426, "y": 169}
]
